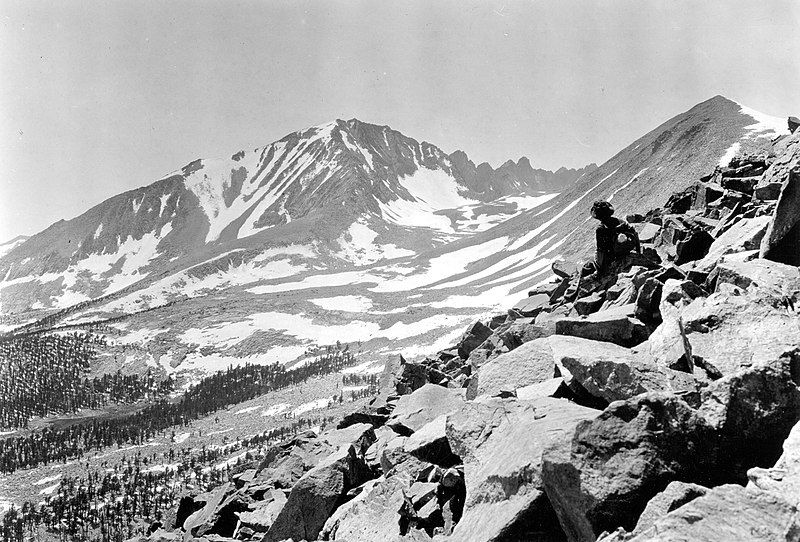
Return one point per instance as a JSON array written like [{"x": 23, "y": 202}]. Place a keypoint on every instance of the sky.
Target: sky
[{"x": 100, "y": 97}]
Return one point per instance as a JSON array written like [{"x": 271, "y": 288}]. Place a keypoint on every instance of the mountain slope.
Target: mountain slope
[{"x": 339, "y": 186}]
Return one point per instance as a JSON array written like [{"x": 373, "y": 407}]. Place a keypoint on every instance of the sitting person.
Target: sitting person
[{"x": 615, "y": 239}]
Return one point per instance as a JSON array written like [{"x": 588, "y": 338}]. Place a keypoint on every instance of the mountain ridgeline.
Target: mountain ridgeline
[{"x": 310, "y": 184}]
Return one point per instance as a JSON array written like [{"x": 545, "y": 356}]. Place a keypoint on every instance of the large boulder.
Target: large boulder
[
  {"x": 318, "y": 493},
  {"x": 632, "y": 450},
  {"x": 532, "y": 305},
  {"x": 208, "y": 518},
  {"x": 668, "y": 345},
  {"x": 501, "y": 442},
  {"x": 615, "y": 325},
  {"x": 261, "y": 518},
  {"x": 743, "y": 236},
  {"x": 614, "y": 464},
  {"x": 782, "y": 239},
  {"x": 757, "y": 404},
  {"x": 430, "y": 443},
  {"x": 423, "y": 406},
  {"x": 775, "y": 280},
  {"x": 613, "y": 373},
  {"x": 784, "y": 477},
  {"x": 731, "y": 328},
  {"x": 473, "y": 338},
  {"x": 531, "y": 363},
  {"x": 728, "y": 512},
  {"x": 675, "y": 495}
]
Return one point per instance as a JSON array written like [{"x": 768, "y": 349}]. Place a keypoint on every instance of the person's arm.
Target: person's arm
[{"x": 629, "y": 232}]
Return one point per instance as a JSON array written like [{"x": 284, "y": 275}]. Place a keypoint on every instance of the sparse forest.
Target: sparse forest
[{"x": 41, "y": 375}]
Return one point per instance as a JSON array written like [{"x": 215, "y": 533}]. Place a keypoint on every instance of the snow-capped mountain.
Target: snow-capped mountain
[
  {"x": 340, "y": 185},
  {"x": 346, "y": 231}
]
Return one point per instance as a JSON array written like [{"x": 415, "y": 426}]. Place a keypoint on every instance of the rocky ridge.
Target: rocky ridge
[{"x": 660, "y": 402}]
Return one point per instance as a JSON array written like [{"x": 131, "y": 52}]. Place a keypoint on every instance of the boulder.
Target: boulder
[
  {"x": 648, "y": 232},
  {"x": 675, "y": 495},
  {"x": 613, "y": 373},
  {"x": 611, "y": 325},
  {"x": 532, "y": 305},
  {"x": 776, "y": 279},
  {"x": 648, "y": 300},
  {"x": 694, "y": 246},
  {"x": 728, "y": 512},
  {"x": 430, "y": 444},
  {"x": 383, "y": 436},
  {"x": 793, "y": 123},
  {"x": 317, "y": 494},
  {"x": 613, "y": 465},
  {"x": 329, "y": 530},
  {"x": 210, "y": 518},
  {"x": 531, "y": 363},
  {"x": 374, "y": 514},
  {"x": 476, "y": 335},
  {"x": 731, "y": 328},
  {"x": 744, "y": 235},
  {"x": 781, "y": 242},
  {"x": 784, "y": 477},
  {"x": 260, "y": 519},
  {"x": 589, "y": 304},
  {"x": 423, "y": 406},
  {"x": 757, "y": 404},
  {"x": 401, "y": 377},
  {"x": 564, "y": 269},
  {"x": 501, "y": 442},
  {"x": 520, "y": 332}
]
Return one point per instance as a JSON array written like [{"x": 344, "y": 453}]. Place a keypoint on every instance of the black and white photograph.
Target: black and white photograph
[{"x": 412, "y": 271}]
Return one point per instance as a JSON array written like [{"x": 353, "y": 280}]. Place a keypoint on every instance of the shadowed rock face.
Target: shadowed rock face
[{"x": 501, "y": 443}]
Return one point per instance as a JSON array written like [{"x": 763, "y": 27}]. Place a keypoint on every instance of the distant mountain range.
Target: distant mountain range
[{"x": 346, "y": 230}]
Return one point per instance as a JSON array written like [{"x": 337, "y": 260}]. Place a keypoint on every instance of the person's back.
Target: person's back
[{"x": 614, "y": 238}]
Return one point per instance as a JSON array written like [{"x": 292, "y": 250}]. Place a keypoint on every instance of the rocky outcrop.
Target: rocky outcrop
[
  {"x": 501, "y": 443},
  {"x": 614, "y": 464},
  {"x": 602, "y": 404},
  {"x": 625, "y": 456}
]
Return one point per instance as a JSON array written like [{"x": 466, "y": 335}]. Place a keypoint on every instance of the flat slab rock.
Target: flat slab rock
[
  {"x": 614, "y": 373},
  {"x": 615, "y": 325},
  {"x": 531, "y": 363},
  {"x": 728, "y": 512},
  {"x": 733, "y": 329},
  {"x": 501, "y": 443},
  {"x": 422, "y": 406}
]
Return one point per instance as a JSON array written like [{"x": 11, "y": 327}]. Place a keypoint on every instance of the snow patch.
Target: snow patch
[
  {"x": 729, "y": 154},
  {"x": 764, "y": 123},
  {"x": 248, "y": 409},
  {"x": 275, "y": 409},
  {"x": 626, "y": 185},
  {"x": 312, "y": 405},
  {"x": 346, "y": 303},
  {"x": 441, "y": 267}
]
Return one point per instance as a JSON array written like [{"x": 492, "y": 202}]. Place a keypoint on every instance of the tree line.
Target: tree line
[
  {"x": 41, "y": 375},
  {"x": 217, "y": 391}
]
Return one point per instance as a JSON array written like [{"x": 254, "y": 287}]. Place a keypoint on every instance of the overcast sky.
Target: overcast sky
[{"x": 101, "y": 97}]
